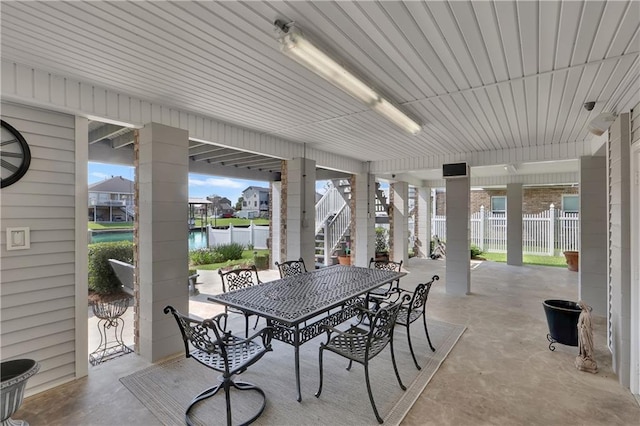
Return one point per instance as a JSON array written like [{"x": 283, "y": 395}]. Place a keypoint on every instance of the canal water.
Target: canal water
[{"x": 197, "y": 238}]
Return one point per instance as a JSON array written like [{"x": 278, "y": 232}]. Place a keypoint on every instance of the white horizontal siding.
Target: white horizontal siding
[
  {"x": 562, "y": 151},
  {"x": 619, "y": 262},
  {"x": 38, "y": 284},
  {"x": 538, "y": 179},
  {"x": 31, "y": 86}
]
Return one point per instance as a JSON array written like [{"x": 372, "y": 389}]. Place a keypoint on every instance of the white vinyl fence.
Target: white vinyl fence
[
  {"x": 544, "y": 233},
  {"x": 255, "y": 235}
]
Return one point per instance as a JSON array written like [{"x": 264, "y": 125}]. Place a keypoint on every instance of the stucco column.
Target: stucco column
[
  {"x": 364, "y": 219},
  {"x": 423, "y": 219},
  {"x": 458, "y": 240},
  {"x": 514, "y": 224},
  {"x": 163, "y": 237},
  {"x": 400, "y": 221},
  {"x": 300, "y": 210},
  {"x": 593, "y": 235}
]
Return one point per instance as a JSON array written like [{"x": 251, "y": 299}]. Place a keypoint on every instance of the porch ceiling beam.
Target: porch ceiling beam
[
  {"x": 103, "y": 132},
  {"x": 122, "y": 140},
  {"x": 263, "y": 166},
  {"x": 229, "y": 154},
  {"x": 247, "y": 160},
  {"x": 226, "y": 156},
  {"x": 206, "y": 148}
]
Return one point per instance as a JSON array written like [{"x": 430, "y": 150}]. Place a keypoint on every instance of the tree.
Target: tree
[{"x": 239, "y": 203}]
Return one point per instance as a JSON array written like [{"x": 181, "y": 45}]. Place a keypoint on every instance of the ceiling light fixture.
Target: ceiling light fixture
[{"x": 294, "y": 44}]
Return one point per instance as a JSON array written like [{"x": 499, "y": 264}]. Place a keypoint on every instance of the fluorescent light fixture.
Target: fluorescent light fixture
[{"x": 296, "y": 46}]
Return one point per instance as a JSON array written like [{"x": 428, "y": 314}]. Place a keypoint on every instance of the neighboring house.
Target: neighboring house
[
  {"x": 255, "y": 202},
  {"x": 220, "y": 206},
  {"x": 111, "y": 200},
  {"x": 534, "y": 199}
]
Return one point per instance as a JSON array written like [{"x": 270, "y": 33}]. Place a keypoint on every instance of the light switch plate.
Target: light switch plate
[{"x": 18, "y": 238}]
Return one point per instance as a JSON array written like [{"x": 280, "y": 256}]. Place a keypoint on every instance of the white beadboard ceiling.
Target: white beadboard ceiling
[{"x": 480, "y": 76}]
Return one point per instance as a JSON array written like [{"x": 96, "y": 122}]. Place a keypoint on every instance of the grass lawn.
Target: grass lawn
[
  {"x": 247, "y": 258},
  {"x": 110, "y": 225},
  {"x": 528, "y": 259},
  {"x": 236, "y": 221}
]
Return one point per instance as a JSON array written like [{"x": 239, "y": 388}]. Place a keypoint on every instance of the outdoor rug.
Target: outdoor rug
[{"x": 166, "y": 389}]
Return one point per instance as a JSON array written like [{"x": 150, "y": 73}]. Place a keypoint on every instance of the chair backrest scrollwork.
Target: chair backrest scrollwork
[
  {"x": 381, "y": 331},
  {"x": 239, "y": 278},
  {"x": 291, "y": 268}
]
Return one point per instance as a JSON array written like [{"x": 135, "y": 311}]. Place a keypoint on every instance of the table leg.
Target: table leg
[{"x": 296, "y": 345}]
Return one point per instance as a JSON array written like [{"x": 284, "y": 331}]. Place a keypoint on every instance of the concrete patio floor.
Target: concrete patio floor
[{"x": 500, "y": 372}]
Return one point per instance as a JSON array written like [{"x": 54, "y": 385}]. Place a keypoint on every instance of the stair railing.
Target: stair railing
[
  {"x": 336, "y": 229},
  {"x": 330, "y": 203}
]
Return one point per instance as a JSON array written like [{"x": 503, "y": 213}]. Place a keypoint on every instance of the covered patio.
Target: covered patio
[
  {"x": 500, "y": 371},
  {"x": 433, "y": 94}
]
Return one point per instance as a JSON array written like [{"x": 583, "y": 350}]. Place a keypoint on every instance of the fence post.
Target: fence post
[
  {"x": 551, "y": 242},
  {"x": 230, "y": 233},
  {"x": 481, "y": 228},
  {"x": 251, "y": 230}
]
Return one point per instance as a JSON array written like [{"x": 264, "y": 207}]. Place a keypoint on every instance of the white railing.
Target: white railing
[
  {"x": 330, "y": 203},
  {"x": 335, "y": 229},
  {"x": 544, "y": 233},
  {"x": 255, "y": 235}
]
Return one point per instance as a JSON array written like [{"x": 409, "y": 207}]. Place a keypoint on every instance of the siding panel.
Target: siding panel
[{"x": 37, "y": 316}]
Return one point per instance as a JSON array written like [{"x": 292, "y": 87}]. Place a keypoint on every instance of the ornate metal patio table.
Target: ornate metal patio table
[{"x": 289, "y": 304}]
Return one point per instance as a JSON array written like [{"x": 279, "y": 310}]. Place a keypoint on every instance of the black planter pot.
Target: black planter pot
[{"x": 562, "y": 319}]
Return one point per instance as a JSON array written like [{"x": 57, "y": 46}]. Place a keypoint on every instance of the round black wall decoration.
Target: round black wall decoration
[{"x": 15, "y": 155}]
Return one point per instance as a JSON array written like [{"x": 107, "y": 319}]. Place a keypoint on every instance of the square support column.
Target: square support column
[
  {"x": 423, "y": 219},
  {"x": 458, "y": 236},
  {"x": 400, "y": 222},
  {"x": 364, "y": 218},
  {"x": 276, "y": 222},
  {"x": 592, "y": 270},
  {"x": 300, "y": 210},
  {"x": 514, "y": 224},
  {"x": 163, "y": 237}
]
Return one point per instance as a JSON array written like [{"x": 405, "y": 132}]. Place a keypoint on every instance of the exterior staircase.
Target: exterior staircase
[
  {"x": 333, "y": 216},
  {"x": 128, "y": 209}
]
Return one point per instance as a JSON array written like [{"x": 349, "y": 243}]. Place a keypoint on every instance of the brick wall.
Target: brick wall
[{"x": 534, "y": 199}]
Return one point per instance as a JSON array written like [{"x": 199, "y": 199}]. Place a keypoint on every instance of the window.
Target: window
[
  {"x": 499, "y": 204},
  {"x": 571, "y": 203},
  {"x": 255, "y": 204}
]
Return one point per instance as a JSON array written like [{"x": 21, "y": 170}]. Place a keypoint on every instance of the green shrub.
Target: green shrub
[
  {"x": 382, "y": 240},
  {"x": 475, "y": 251},
  {"x": 205, "y": 256},
  {"x": 231, "y": 251},
  {"x": 101, "y": 277}
]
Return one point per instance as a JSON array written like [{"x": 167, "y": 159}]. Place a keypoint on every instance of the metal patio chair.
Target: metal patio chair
[
  {"x": 361, "y": 345},
  {"x": 415, "y": 309},
  {"x": 208, "y": 343},
  {"x": 390, "y": 291},
  {"x": 291, "y": 268},
  {"x": 236, "y": 279}
]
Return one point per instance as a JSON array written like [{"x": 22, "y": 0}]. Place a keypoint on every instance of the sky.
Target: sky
[{"x": 200, "y": 186}]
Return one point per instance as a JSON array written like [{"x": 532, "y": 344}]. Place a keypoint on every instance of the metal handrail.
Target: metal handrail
[
  {"x": 337, "y": 227},
  {"x": 330, "y": 203}
]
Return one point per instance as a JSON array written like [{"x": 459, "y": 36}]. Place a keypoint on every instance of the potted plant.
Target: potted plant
[
  {"x": 572, "y": 258},
  {"x": 345, "y": 258}
]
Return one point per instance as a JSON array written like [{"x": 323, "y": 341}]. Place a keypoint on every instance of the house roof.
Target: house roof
[
  {"x": 116, "y": 184},
  {"x": 256, "y": 188}
]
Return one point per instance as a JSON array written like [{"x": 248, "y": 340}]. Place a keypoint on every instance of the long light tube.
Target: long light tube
[{"x": 296, "y": 46}]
